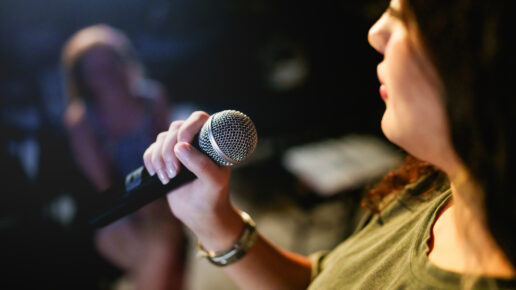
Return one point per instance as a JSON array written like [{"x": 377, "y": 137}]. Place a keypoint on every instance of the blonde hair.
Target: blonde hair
[{"x": 100, "y": 35}]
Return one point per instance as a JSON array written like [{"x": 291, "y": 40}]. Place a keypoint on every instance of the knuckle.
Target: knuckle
[
  {"x": 175, "y": 125},
  {"x": 161, "y": 136},
  {"x": 148, "y": 153},
  {"x": 200, "y": 115},
  {"x": 145, "y": 157}
]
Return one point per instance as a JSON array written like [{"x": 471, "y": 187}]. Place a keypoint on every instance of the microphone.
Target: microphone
[{"x": 228, "y": 137}]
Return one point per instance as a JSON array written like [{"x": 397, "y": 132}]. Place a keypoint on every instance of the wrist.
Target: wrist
[
  {"x": 239, "y": 248},
  {"x": 219, "y": 231}
]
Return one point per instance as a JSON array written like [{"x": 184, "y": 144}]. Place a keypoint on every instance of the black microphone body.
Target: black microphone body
[
  {"x": 137, "y": 190},
  {"x": 227, "y": 138}
]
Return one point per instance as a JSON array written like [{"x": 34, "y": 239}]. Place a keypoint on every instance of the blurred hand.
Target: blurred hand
[{"x": 203, "y": 204}]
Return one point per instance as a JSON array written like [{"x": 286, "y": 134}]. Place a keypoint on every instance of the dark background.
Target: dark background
[
  {"x": 215, "y": 54},
  {"x": 210, "y": 55}
]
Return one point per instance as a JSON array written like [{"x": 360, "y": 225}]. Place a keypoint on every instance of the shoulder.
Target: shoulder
[
  {"x": 155, "y": 97},
  {"x": 75, "y": 120}
]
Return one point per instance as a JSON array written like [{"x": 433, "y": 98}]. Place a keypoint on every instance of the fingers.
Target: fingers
[
  {"x": 198, "y": 163},
  {"x": 160, "y": 157},
  {"x": 147, "y": 160},
  {"x": 192, "y": 126},
  {"x": 167, "y": 150},
  {"x": 157, "y": 159}
]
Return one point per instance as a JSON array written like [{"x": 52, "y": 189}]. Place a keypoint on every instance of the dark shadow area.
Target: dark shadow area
[{"x": 303, "y": 72}]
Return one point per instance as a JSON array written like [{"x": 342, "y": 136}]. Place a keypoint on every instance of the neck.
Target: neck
[{"x": 481, "y": 254}]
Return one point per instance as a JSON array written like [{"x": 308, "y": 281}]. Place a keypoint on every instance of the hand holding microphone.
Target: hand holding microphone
[
  {"x": 236, "y": 139},
  {"x": 199, "y": 182}
]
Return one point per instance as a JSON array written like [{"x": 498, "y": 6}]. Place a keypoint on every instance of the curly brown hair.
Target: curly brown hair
[{"x": 394, "y": 181}]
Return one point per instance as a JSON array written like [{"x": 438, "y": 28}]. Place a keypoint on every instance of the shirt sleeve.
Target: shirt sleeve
[{"x": 316, "y": 260}]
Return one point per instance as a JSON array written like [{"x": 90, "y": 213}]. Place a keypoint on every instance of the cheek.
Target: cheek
[
  {"x": 398, "y": 119},
  {"x": 415, "y": 117}
]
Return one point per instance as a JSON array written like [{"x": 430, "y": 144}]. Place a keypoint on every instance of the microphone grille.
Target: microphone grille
[{"x": 228, "y": 137}]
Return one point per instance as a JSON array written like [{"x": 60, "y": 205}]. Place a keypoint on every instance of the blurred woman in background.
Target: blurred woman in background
[{"x": 112, "y": 116}]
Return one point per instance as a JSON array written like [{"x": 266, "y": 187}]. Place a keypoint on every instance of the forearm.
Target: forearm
[
  {"x": 267, "y": 267},
  {"x": 203, "y": 205}
]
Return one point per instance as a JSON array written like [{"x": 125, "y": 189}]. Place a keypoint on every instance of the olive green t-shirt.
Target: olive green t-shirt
[{"x": 390, "y": 251}]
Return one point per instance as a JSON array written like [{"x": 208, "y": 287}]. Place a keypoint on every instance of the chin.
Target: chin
[
  {"x": 411, "y": 142},
  {"x": 389, "y": 128},
  {"x": 395, "y": 133}
]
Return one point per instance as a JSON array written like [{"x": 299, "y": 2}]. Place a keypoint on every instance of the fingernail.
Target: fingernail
[
  {"x": 162, "y": 177},
  {"x": 170, "y": 170},
  {"x": 151, "y": 172}
]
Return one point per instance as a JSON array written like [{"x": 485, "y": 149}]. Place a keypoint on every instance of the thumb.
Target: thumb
[{"x": 195, "y": 161}]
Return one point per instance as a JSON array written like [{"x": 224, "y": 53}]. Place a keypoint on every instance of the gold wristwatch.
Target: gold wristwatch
[{"x": 239, "y": 248}]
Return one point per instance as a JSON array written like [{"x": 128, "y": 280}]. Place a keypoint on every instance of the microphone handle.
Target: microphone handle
[{"x": 137, "y": 190}]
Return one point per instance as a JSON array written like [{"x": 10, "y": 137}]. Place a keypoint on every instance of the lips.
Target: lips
[
  {"x": 383, "y": 91},
  {"x": 383, "y": 88}
]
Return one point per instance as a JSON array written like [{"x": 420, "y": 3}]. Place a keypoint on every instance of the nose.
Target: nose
[{"x": 379, "y": 34}]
